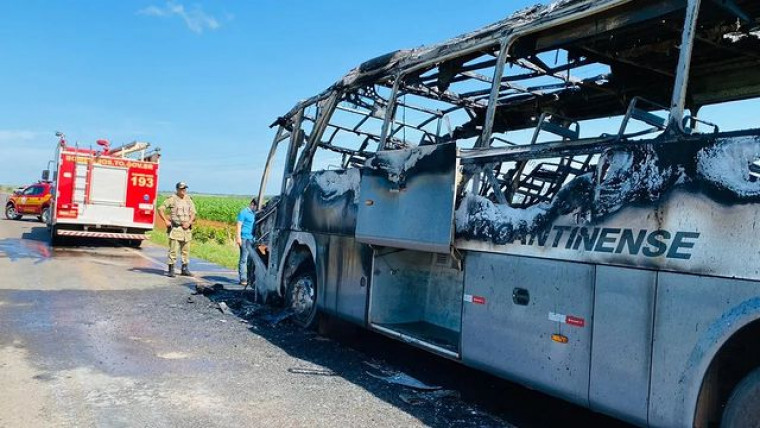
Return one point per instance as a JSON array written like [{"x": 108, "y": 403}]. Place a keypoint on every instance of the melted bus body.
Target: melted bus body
[{"x": 544, "y": 200}]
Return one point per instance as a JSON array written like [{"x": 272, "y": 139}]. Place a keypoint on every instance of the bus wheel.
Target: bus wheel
[
  {"x": 743, "y": 406},
  {"x": 301, "y": 298},
  {"x": 10, "y": 212}
]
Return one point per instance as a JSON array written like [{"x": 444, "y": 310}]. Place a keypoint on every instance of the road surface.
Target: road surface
[{"x": 98, "y": 336}]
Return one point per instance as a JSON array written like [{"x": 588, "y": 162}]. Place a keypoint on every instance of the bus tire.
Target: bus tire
[
  {"x": 301, "y": 298},
  {"x": 743, "y": 406}
]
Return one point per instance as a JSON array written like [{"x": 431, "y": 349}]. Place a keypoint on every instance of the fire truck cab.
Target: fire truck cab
[{"x": 103, "y": 193}]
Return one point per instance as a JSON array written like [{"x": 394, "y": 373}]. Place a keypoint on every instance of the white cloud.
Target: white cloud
[{"x": 195, "y": 18}]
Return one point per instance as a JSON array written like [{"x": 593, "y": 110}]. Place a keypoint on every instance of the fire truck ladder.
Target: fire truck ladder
[{"x": 81, "y": 173}]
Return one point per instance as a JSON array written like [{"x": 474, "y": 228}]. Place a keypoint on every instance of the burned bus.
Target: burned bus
[{"x": 548, "y": 199}]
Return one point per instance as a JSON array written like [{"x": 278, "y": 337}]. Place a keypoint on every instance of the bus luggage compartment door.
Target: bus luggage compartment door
[
  {"x": 407, "y": 198},
  {"x": 529, "y": 320}
]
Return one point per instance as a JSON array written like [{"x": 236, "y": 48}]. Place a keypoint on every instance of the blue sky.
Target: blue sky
[{"x": 202, "y": 80}]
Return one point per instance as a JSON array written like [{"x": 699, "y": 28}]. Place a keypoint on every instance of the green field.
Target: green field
[{"x": 223, "y": 209}]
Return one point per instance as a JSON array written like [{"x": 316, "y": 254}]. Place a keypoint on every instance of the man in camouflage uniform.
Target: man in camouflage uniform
[{"x": 179, "y": 226}]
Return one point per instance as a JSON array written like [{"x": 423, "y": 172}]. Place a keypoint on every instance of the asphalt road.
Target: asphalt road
[{"x": 95, "y": 335}]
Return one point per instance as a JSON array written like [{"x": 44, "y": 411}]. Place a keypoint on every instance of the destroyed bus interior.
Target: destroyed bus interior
[{"x": 576, "y": 108}]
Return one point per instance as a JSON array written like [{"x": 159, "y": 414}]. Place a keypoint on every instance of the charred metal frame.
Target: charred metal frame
[
  {"x": 505, "y": 104},
  {"x": 471, "y": 95},
  {"x": 437, "y": 87},
  {"x": 430, "y": 72}
]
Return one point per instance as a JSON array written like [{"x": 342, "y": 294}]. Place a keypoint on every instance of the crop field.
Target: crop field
[{"x": 223, "y": 209}]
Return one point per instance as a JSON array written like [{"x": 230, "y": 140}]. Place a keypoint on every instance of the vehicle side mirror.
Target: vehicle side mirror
[{"x": 45, "y": 175}]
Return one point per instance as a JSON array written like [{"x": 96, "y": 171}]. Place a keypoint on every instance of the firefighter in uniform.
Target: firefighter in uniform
[{"x": 179, "y": 225}]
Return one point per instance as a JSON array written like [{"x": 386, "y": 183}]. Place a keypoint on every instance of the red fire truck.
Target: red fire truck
[{"x": 104, "y": 192}]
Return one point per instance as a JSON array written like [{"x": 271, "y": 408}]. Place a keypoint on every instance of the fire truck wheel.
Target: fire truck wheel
[
  {"x": 743, "y": 406},
  {"x": 10, "y": 212},
  {"x": 301, "y": 297},
  {"x": 45, "y": 216},
  {"x": 134, "y": 243}
]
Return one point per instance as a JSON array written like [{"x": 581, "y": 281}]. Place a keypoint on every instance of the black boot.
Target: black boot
[
  {"x": 171, "y": 271},
  {"x": 185, "y": 271}
]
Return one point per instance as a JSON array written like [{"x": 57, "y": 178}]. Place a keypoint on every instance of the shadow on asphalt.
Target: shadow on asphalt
[
  {"x": 38, "y": 233},
  {"x": 480, "y": 392},
  {"x": 217, "y": 279},
  {"x": 154, "y": 271},
  {"x": 33, "y": 244},
  {"x": 190, "y": 285}
]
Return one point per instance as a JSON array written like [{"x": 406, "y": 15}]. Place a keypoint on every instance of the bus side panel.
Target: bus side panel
[
  {"x": 693, "y": 317},
  {"x": 347, "y": 267},
  {"x": 623, "y": 319},
  {"x": 505, "y": 334},
  {"x": 355, "y": 274}
]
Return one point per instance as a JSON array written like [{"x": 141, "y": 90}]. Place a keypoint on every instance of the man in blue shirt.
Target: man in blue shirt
[{"x": 246, "y": 221}]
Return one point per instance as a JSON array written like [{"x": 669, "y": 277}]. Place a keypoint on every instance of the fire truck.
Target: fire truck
[{"x": 103, "y": 193}]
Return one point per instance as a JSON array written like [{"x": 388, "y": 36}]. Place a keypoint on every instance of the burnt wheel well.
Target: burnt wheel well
[
  {"x": 299, "y": 260},
  {"x": 736, "y": 358}
]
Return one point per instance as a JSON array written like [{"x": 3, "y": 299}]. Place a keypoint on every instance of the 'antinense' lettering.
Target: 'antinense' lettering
[{"x": 656, "y": 243}]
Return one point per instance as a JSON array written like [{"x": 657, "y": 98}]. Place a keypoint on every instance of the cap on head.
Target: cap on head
[{"x": 181, "y": 185}]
